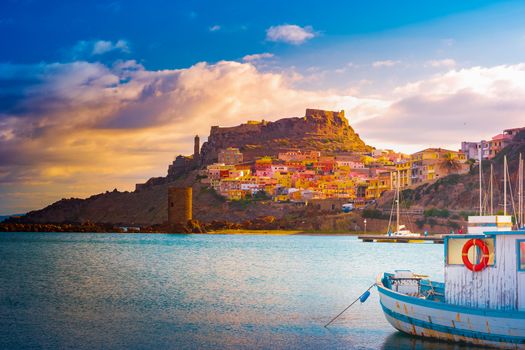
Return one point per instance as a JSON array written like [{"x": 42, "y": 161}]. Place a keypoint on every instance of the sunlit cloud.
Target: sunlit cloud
[
  {"x": 257, "y": 57},
  {"x": 290, "y": 33},
  {"x": 460, "y": 105},
  {"x": 74, "y": 129},
  {"x": 215, "y": 28}
]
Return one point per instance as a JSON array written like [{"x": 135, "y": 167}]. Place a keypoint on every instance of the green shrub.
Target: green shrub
[
  {"x": 440, "y": 213},
  {"x": 373, "y": 214},
  {"x": 453, "y": 225},
  {"x": 466, "y": 214}
]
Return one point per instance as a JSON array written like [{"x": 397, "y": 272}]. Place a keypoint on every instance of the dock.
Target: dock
[{"x": 438, "y": 239}]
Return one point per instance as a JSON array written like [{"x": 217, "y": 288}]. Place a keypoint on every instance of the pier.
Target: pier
[{"x": 438, "y": 239}]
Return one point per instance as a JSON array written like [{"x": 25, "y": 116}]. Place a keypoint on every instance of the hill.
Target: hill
[
  {"x": 325, "y": 131},
  {"x": 319, "y": 130}
]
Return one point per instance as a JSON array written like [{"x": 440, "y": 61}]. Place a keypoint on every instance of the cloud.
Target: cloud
[
  {"x": 385, "y": 63},
  {"x": 89, "y": 48},
  {"x": 290, "y": 33},
  {"x": 460, "y": 105},
  {"x": 257, "y": 57},
  {"x": 78, "y": 128},
  {"x": 103, "y": 46},
  {"x": 215, "y": 28},
  {"x": 447, "y": 63}
]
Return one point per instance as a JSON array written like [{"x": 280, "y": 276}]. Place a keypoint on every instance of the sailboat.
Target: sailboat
[
  {"x": 401, "y": 230},
  {"x": 480, "y": 302}
]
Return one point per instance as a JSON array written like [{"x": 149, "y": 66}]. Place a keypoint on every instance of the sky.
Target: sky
[{"x": 104, "y": 94}]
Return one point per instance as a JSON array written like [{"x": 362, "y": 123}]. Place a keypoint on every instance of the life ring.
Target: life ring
[{"x": 484, "y": 257}]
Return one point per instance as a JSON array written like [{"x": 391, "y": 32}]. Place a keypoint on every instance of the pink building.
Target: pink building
[{"x": 498, "y": 143}]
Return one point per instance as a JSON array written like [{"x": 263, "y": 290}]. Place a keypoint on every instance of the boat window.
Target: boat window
[
  {"x": 521, "y": 255},
  {"x": 454, "y": 249}
]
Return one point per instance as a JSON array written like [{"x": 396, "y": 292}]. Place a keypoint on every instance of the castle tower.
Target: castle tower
[
  {"x": 179, "y": 205},
  {"x": 196, "y": 150}
]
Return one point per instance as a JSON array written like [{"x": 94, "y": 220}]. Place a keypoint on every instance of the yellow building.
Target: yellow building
[
  {"x": 433, "y": 163},
  {"x": 376, "y": 186},
  {"x": 284, "y": 179}
]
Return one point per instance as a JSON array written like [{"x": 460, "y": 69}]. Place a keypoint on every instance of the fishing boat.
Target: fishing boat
[{"x": 482, "y": 298}]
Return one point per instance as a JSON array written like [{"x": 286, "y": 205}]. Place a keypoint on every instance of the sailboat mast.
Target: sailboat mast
[
  {"x": 522, "y": 195},
  {"x": 397, "y": 213},
  {"x": 491, "y": 189},
  {"x": 505, "y": 185},
  {"x": 480, "y": 184},
  {"x": 520, "y": 192}
]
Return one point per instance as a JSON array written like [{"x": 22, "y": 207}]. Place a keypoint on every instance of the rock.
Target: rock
[{"x": 318, "y": 130}]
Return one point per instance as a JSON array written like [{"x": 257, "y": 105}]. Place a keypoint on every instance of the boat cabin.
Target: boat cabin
[{"x": 486, "y": 267}]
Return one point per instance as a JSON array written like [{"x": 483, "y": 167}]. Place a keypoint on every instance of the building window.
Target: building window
[{"x": 521, "y": 255}]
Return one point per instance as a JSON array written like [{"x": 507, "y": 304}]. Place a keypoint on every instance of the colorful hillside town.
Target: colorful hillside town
[{"x": 302, "y": 176}]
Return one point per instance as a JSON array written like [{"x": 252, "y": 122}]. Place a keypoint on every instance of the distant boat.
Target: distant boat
[
  {"x": 402, "y": 230},
  {"x": 347, "y": 207}
]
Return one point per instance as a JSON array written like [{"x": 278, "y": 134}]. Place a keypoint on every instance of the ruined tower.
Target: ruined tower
[
  {"x": 179, "y": 205},
  {"x": 196, "y": 150}
]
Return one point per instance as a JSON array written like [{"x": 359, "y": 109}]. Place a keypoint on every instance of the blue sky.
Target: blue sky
[
  {"x": 103, "y": 94},
  {"x": 175, "y": 34}
]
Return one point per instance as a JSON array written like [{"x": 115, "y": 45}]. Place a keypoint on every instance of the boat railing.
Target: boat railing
[{"x": 416, "y": 286}]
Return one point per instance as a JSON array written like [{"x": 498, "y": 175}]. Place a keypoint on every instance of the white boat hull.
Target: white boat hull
[{"x": 448, "y": 322}]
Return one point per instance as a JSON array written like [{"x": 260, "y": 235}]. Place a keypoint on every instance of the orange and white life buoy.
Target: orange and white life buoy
[{"x": 483, "y": 263}]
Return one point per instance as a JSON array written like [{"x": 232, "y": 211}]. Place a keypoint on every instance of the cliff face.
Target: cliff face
[{"x": 320, "y": 130}]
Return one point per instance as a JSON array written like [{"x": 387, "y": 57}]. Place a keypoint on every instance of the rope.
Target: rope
[{"x": 355, "y": 301}]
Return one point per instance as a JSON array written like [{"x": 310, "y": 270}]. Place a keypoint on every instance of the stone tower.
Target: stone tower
[
  {"x": 179, "y": 205},
  {"x": 196, "y": 150}
]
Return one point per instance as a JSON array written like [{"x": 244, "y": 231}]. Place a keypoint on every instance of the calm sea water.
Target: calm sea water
[{"x": 60, "y": 290}]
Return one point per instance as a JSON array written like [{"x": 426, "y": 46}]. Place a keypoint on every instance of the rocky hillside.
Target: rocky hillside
[{"x": 320, "y": 130}]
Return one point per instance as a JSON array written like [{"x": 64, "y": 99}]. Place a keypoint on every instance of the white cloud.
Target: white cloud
[
  {"x": 257, "y": 57},
  {"x": 385, "y": 63},
  {"x": 86, "y": 48},
  {"x": 447, "y": 63},
  {"x": 215, "y": 28},
  {"x": 290, "y": 33},
  {"x": 103, "y": 46}
]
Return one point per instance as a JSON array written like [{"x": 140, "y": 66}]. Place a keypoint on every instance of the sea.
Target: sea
[{"x": 160, "y": 291}]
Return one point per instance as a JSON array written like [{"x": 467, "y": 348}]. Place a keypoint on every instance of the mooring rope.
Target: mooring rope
[{"x": 362, "y": 297}]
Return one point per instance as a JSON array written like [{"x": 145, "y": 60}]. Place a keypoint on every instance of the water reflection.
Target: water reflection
[
  {"x": 207, "y": 292},
  {"x": 400, "y": 340}
]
